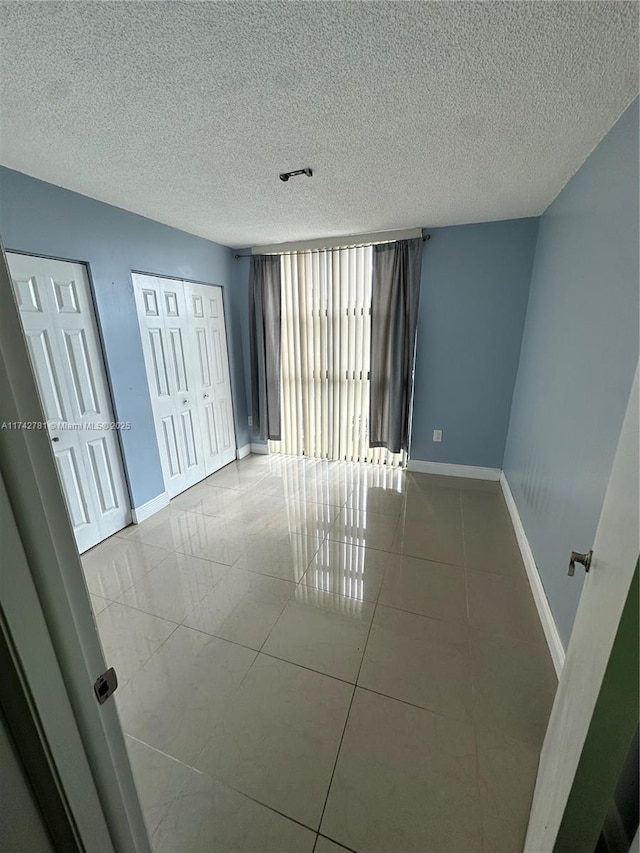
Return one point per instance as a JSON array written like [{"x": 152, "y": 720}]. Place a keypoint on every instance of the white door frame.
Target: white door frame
[{"x": 48, "y": 622}]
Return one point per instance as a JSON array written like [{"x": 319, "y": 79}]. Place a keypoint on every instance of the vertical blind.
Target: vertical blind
[{"x": 325, "y": 351}]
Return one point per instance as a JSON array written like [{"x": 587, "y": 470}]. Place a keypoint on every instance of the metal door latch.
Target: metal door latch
[
  {"x": 105, "y": 685},
  {"x": 583, "y": 559}
]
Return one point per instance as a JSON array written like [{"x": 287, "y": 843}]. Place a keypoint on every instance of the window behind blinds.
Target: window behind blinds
[{"x": 326, "y": 338}]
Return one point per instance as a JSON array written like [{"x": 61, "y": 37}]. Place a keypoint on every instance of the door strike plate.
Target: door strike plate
[{"x": 105, "y": 685}]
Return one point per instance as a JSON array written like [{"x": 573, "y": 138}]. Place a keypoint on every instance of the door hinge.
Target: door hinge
[{"x": 105, "y": 685}]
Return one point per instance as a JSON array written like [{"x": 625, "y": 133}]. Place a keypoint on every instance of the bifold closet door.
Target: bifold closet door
[
  {"x": 56, "y": 309},
  {"x": 169, "y": 361},
  {"x": 185, "y": 351},
  {"x": 205, "y": 309}
]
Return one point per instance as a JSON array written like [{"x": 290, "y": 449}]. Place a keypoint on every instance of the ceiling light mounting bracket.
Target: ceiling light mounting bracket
[{"x": 284, "y": 176}]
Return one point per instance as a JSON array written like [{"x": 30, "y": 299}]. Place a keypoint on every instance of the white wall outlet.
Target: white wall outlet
[
  {"x": 250, "y": 420},
  {"x": 437, "y": 435}
]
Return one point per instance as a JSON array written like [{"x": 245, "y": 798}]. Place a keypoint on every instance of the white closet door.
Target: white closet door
[
  {"x": 168, "y": 346},
  {"x": 59, "y": 323},
  {"x": 182, "y": 381},
  {"x": 205, "y": 308}
]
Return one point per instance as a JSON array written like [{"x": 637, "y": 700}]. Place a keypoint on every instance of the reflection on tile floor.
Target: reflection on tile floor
[{"x": 318, "y": 657}]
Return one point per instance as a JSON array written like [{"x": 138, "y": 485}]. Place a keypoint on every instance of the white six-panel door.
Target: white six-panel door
[
  {"x": 57, "y": 315},
  {"x": 184, "y": 345}
]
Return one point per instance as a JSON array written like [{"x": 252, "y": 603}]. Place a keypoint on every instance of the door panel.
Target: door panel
[
  {"x": 28, "y": 297},
  {"x": 66, "y": 297},
  {"x": 214, "y": 304},
  {"x": 159, "y": 363},
  {"x": 217, "y": 357},
  {"x": 177, "y": 361},
  {"x": 150, "y": 302},
  {"x": 56, "y": 310},
  {"x": 40, "y": 351},
  {"x": 102, "y": 475},
  {"x": 197, "y": 306},
  {"x": 73, "y": 488},
  {"x": 188, "y": 438},
  {"x": 82, "y": 381},
  {"x": 203, "y": 358},
  {"x": 224, "y": 417},
  {"x": 171, "y": 303},
  {"x": 211, "y": 448},
  {"x": 171, "y": 445}
]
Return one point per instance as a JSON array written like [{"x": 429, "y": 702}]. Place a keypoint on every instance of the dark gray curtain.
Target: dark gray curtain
[
  {"x": 394, "y": 317},
  {"x": 264, "y": 339}
]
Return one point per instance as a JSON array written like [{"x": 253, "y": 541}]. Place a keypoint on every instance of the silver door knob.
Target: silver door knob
[
  {"x": 583, "y": 559},
  {"x": 184, "y": 402},
  {"x": 206, "y": 396}
]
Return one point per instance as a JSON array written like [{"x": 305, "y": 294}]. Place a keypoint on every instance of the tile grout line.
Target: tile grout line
[
  {"x": 473, "y": 680},
  {"x": 348, "y": 715},
  {"x": 165, "y": 754},
  {"x": 413, "y": 705},
  {"x": 285, "y": 606},
  {"x": 322, "y": 835},
  {"x": 259, "y": 802},
  {"x": 335, "y": 763},
  {"x": 139, "y": 610}
]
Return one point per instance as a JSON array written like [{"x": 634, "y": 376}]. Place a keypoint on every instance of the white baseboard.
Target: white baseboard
[
  {"x": 260, "y": 448},
  {"x": 243, "y": 451},
  {"x": 539, "y": 595},
  {"x": 472, "y": 471},
  {"x": 140, "y": 513}
]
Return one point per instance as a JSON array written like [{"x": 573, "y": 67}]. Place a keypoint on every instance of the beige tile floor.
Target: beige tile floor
[{"x": 321, "y": 656}]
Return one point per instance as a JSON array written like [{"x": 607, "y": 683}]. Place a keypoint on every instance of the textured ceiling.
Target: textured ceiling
[{"x": 409, "y": 113}]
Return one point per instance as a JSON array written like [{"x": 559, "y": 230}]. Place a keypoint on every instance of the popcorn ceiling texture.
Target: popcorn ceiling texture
[{"x": 409, "y": 113}]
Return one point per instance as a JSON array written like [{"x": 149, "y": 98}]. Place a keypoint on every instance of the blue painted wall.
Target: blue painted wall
[
  {"x": 579, "y": 352},
  {"x": 473, "y": 300},
  {"x": 44, "y": 219}
]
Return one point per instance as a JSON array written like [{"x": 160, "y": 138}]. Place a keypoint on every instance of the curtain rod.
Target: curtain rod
[{"x": 425, "y": 237}]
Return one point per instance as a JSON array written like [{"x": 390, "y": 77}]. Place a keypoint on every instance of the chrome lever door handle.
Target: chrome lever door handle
[
  {"x": 56, "y": 438},
  {"x": 583, "y": 559}
]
